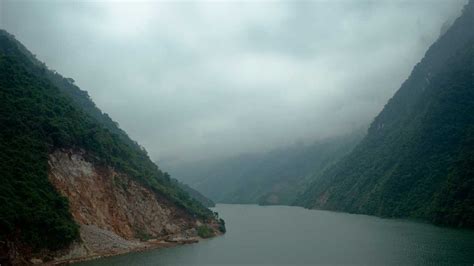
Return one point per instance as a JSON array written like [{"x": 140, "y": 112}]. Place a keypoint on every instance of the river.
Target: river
[{"x": 285, "y": 235}]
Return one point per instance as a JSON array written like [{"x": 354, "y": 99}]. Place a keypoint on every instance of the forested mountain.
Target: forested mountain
[
  {"x": 417, "y": 159},
  {"x": 196, "y": 195},
  {"x": 275, "y": 177},
  {"x": 42, "y": 117}
]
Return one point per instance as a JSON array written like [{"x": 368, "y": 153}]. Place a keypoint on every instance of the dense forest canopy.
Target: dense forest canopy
[
  {"x": 40, "y": 112},
  {"x": 417, "y": 158}
]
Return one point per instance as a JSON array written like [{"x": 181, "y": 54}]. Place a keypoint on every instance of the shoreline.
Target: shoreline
[{"x": 147, "y": 245}]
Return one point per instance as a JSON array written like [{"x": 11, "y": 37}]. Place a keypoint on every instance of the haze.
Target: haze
[{"x": 193, "y": 80}]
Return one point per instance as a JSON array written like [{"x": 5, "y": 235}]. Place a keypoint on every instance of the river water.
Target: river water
[{"x": 281, "y": 235}]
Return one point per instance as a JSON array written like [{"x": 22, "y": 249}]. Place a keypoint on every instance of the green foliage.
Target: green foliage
[
  {"x": 39, "y": 112},
  {"x": 195, "y": 194},
  {"x": 142, "y": 235},
  {"x": 417, "y": 159},
  {"x": 222, "y": 225},
  {"x": 205, "y": 231},
  {"x": 31, "y": 209}
]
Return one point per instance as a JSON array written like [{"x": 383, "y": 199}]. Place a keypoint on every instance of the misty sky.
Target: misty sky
[{"x": 189, "y": 80}]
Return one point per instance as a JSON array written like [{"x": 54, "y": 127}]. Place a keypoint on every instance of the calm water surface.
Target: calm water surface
[{"x": 292, "y": 235}]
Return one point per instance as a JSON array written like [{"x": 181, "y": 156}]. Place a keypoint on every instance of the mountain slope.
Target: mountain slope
[
  {"x": 275, "y": 177},
  {"x": 43, "y": 114},
  {"x": 196, "y": 195},
  {"x": 417, "y": 158}
]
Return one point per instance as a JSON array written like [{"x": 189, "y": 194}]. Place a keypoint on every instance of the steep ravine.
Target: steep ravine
[{"x": 115, "y": 213}]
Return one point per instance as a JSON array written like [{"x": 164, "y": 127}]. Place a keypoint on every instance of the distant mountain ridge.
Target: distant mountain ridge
[
  {"x": 417, "y": 159},
  {"x": 270, "y": 178}
]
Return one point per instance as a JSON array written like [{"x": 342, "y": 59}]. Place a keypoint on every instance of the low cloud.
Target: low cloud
[{"x": 190, "y": 80}]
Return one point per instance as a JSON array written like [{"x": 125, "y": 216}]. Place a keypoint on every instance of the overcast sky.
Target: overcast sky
[{"x": 189, "y": 80}]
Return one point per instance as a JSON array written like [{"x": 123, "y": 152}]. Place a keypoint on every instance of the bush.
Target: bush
[{"x": 205, "y": 231}]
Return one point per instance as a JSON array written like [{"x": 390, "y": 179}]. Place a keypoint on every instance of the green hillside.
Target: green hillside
[
  {"x": 40, "y": 111},
  {"x": 417, "y": 159},
  {"x": 196, "y": 195}
]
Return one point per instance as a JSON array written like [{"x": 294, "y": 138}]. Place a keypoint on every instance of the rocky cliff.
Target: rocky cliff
[
  {"x": 101, "y": 196},
  {"x": 115, "y": 213}
]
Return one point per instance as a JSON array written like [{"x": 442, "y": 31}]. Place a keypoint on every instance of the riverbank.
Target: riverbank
[
  {"x": 149, "y": 245},
  {"x": 98, "y": 243}
]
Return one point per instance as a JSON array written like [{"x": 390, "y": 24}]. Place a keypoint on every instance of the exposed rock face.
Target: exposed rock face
[{"x": 113, "y": 210}]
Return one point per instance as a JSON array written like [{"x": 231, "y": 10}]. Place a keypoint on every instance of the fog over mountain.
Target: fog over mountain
[{"x": 191, "y": 80}]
